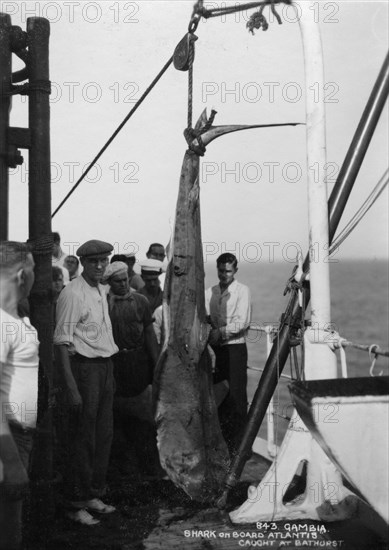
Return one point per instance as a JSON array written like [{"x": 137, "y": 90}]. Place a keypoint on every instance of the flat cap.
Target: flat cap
[
  {"x": 151, "y": 266},
  {"x": 95, "y": 248}
]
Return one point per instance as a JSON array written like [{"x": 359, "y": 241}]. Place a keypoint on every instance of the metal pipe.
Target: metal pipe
[
  {"x": 357, "y": 150},
  {"x": 5, "y": 103},
  {"x": 38, "y": 32},
  {"x": 317, "y": 200},
  {"x": 280, "y": 351}
]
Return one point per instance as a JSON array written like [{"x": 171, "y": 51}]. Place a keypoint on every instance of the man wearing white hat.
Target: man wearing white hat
[
  {"x": 151, "y": 269},
  {"x": 85, "y": 342},
  {"x": 157, "y": 251}
]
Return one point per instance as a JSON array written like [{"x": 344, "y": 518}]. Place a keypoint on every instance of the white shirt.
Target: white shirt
[
  {"x": 230, "y": 311},
  {"x": 82, "y": 320},
  {"x": 19, "y": 374}
]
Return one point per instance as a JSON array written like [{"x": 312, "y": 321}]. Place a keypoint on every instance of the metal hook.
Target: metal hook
[
  {"x": 194, "y": 22},
  {"x": 372, "y": 348},
  {"x": 196, "y": 16}
]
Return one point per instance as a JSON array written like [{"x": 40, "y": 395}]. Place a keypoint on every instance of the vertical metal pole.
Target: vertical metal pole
[
  {"x": 38, "y": 32},
  {"x": 271, "y": 427},
  {"x": 337, "y": 202},
  {"x": 5, "y": 103},
  {"x": 322, "y": 363}
]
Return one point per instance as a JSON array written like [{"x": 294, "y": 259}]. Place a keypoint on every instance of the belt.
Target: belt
[{"x": 82, "y": 359}]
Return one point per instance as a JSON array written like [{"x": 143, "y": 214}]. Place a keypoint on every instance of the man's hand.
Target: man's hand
[
  {"x": 73, "y": 395},
  {"x": 75, "y": 399},
  {"x": 214, "y": 337}
]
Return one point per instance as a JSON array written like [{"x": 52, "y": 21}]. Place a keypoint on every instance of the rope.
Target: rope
[
  {"x": 41, "y": 245},
  {"x": 190, "y": 83},
  {"x": 378, "y": 189},
  {"x": 375, "y": 349},
  {"x": 110, "y": 140},
  {"x": 193, "y": 137},
  {"x": 343, "y": 362}
]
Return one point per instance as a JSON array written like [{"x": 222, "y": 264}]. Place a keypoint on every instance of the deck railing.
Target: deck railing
[{"x": 268, "y": 447}]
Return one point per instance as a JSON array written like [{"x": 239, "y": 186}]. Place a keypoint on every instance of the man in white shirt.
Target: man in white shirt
[
  {"x": 228, "y": 306},
  {"x": 84, "y": 339},
  {"x": 18, "y": 388}
]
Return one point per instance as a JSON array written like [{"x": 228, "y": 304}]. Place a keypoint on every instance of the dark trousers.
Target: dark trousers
[
  {"x": 11, "y": 510},
  {"x": 91, "y": 431},
  {"x": 231, "y": 365},
  {"x": 133, "y": 372}
]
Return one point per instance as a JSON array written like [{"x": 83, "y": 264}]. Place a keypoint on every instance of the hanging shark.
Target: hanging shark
[{"x": 191, "y": 447}]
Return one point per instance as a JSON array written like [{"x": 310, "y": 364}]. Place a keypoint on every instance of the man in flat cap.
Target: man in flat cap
[
  {"x": 151, "y": 269},
  {"x": 84, "y": 339}
]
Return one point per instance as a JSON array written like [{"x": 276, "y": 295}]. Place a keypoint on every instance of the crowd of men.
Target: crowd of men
[{"x": 107, "y": 338}]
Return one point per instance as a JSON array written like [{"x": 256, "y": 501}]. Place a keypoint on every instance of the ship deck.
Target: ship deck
[{"x": 153, "y": 514}]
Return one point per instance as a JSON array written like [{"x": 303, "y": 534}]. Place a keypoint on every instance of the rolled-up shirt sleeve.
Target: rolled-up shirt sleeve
[{"x": 68, "y": 314}]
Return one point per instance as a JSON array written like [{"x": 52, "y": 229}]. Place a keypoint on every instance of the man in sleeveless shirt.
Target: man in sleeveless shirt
[{"x": 18, "y": 388}]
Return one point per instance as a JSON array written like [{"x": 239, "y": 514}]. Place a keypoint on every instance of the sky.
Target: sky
[{"x": 103, "y": 55}]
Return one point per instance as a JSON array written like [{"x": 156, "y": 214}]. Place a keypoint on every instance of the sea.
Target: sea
[{"x": 359, "y": 312}]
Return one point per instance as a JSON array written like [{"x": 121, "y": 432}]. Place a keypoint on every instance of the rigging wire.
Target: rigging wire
[
  {"x": 198, "y": 12},
  {"x": 110, "y": 140},
  {"x": 371, "y": 199}
]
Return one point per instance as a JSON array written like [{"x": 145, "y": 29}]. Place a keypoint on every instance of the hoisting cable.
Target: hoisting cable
[
  {"x": 110, "y": 140},
  {"x": 256, "y": 21},
  {"x": 183, "y": 60},
  {"x": 378, "y": 189}
]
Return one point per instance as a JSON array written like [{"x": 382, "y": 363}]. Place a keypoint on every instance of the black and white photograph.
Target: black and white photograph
[{"x": 194, "y": 274}]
